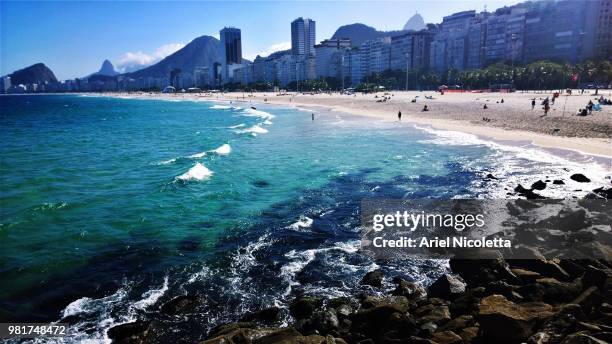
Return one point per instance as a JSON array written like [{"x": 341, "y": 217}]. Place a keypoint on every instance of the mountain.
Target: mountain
[
  {"x": 359, "y": 33},
  {"x": 415, "y": 23},
  {"x": 203, "y": 51},
  {"x": 36, "y": 73},
  {"x": 107, "y": 69}
]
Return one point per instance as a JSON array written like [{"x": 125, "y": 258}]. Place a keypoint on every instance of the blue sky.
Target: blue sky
[{"x": 74, "y": 37}]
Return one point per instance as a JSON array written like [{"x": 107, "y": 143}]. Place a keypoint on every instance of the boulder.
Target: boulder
[
  {"x": 581, "y": 338},
  {"x": 458, "y": 323},
  {"x": 437, "y": 314},
  {"x": 594, "y": 276},
  {"x": 266, "y": 315},
  {"x": 373, "y": 278},
  {"x": 539, "y": 185},
  {"x": 446, "y": 337},
  {"x": 525, "y": 276},
  {"x": 503, "y": 321},
  {"x": 180, "y": 305},
  {"x": 604, "y": 193},
  {"x": 132, "y": 332},
  {"x": 588, "y": 299},
  {"x": 304, "y": 306},
  {"x": 558, "y": 182},
  {"x": 468, "y": 334},
  {"x": 580, "y": 178},
  {"x": 411, "y": 290},
  {"x": 446, "y": 287}
]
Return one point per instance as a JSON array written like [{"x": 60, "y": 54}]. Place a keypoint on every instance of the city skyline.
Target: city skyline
[{"x": 112, "y": 31}]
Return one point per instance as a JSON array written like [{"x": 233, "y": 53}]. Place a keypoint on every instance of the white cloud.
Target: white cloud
[
  {"x": 131, "y": 61},
  {"x": 216, "y": 35},
  {"x": 271, "y": 49}
]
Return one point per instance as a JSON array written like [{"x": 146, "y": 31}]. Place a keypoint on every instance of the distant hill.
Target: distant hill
[
  {"x": 107, "y": 69},
  {"x": 415, "y": 23},
  {"x": 201, "y": 52},
  {"x": 359, "y": 33},
  {"x": 36, "y": 73}
]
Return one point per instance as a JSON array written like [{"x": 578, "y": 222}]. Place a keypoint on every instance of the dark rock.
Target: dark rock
[
  {"x": 558, "y": 182},
  {"x": 373, "y": 278},
  {"x": 502, "y": 321},
  {"x": 550, "y": 290},
  {"x": 180, "y": 305},
  {"x": 133, "y": 332},
  {"x": 469, "y": 333},
  {"x": 458, "y": 323},
  {"x": 526, "y": 275},
  {"x": 384, "y": 315},
  {"x": 446, "y": 287},
  {"x": 446, "y": 337},
  {"x": 605, "y": 193},
  {"x": 557, "y": 326},
  {"x": 539, "y": 185},
  {"x": 580, "y": 178},
  {"x": 594, "y": 276},
  {"x": 588, "y": 299},
  {"x": 581, "y": 338},
  {"x": 438, "y": 314},
  {"x": 304, "y": 306},
  {"x": 266, "y": 315},
  {"x": 411, "y": 290},
  {"x": 490, "y": 176}
]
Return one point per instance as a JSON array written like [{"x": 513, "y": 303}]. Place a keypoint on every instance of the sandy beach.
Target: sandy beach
[{"x": 513, "y": 120}]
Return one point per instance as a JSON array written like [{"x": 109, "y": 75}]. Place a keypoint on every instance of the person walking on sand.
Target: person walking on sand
[
  {"x": 533, "y": 103},
  {"x": 546, "y": 108},
  {"x": 399, "y": 116},
  {"x": 313, "y": 116}
]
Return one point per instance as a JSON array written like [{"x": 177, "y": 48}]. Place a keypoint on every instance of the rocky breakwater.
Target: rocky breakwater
[{"x": 492, "y": 300}]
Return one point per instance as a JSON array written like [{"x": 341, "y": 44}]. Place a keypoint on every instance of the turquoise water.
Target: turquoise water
[{"x": 111, "y": 206}]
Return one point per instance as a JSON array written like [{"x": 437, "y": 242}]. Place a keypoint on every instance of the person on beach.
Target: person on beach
[
  {"x": 533, "y": 103},
  {"x": 546, "y": 108},
  {"x": 425, "y": 108},
  {"x": 502, "y": 101},
  {"x": 313, "y": 116},
  {"x": 485, "y": 107},
  {"x": 399, "y": 116}
]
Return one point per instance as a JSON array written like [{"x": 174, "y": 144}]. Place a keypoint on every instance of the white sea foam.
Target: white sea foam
[
  {"x": 237, "y": 126},
  {"x": 197, "y": 172},
  {"x": 301, "y": 259},
  {"x": 197, "y": 155},
  {"x": 302, "y": 223},
  {"x": 166, "y": 162},
  {"x": 150, "y": 297},
  {"x": 224, "y": 149},
  {"x": 524, "y": 164},
  {"x": 220, "y": 107},
  {"x": 267, "y": 122},
  {"x": 257, "y": 113},
  {"x": 256, "y": 129}
]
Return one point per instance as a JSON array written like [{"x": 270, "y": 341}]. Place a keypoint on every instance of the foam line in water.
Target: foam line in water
[
  {"x": 197, "y": 155},
  {"x": 224, "y": 149},
  {"x": 256, "y": 129},
  {"x": 197, "y": 172},
  {"x": 301, "y": 224},
  {"x": 257, "y": 113},
  {"x": 150, "y": 297},
  {"x": 220, "y": 107}
]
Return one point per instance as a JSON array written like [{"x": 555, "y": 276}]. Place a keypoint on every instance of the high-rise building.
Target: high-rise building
[
  {"x": 555, "y": 31},
  {"x": 6, "y": 83},
  {"x": 303, "y": 36},
  {"x": 603, "y": 30},
  {"x": 411, "y": 50},
  {"x": 329, "y": 57},
  {"x": 231, "y": 51}
]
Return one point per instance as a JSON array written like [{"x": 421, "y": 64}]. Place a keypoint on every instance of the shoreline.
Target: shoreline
[{"x": 599, "y": 148}]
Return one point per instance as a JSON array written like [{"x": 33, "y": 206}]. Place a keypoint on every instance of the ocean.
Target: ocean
[{"x": 110, "y": 206}]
